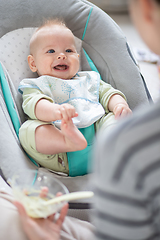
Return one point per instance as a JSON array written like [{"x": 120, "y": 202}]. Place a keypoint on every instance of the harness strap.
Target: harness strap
[{"x": 85, "y": 29}]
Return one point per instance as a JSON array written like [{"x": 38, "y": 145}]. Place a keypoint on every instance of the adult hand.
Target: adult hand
[{"x": 41, "y": 229}]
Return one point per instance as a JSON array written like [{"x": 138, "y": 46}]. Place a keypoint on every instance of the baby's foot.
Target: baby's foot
[{"x": 73, "y": 137}]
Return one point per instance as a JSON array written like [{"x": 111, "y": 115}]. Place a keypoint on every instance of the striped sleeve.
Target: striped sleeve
[{"x": 127, "y": 179}]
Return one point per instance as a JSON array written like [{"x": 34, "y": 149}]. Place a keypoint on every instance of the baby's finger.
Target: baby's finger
[
  {"x": 125, "y": 112},
  {"x": 64, "y": 114},
  {"x": 68, "y": 112},
  {"x": 76, "y": 114},
  {"x": 118, "y": 112}
]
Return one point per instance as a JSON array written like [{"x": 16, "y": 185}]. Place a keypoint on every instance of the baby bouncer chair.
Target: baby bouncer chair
[{"x": 102, "y": 47}]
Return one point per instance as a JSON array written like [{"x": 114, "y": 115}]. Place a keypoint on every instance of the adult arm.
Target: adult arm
[{"x": 126, "y": 179}]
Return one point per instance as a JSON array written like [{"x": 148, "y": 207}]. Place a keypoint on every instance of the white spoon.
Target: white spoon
[{"x": 70, "y": 196}]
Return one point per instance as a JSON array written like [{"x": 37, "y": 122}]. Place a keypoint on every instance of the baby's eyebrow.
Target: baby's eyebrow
[{"x": 48, "y": 47}]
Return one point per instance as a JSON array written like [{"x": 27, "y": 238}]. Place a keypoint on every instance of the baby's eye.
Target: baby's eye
[
  {"x": 69, "y": 50},
  {"x": 51, "y": 51}
]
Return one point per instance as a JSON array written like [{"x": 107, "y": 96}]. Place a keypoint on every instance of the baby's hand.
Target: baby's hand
[
  {"x": 121, "y": 110},
  {"x": 65, "y": 112}
]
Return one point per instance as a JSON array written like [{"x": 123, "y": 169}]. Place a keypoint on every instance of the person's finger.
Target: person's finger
[
  {"x": 129, "y": 111},
  {"x": 68, "y": 112},
  {"x": 22, "y": 214},
  {"x": 118, "y": 112},
  {"x": 76, "y": 114},
  {"x": 64, "y": 113},
  {"x": 51, "y": 217},
  {"x": 62, "y": 215},
  {"x": 123, "y": 113},
  {"x": 44, "y": 192},
  {"x": 20, "y": 208}
]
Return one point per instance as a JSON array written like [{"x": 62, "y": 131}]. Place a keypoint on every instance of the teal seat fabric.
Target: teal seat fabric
[{"x": 79, "y": 161}]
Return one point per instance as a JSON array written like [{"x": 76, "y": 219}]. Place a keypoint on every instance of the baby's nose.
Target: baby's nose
[{"x": 61, "y": 56}]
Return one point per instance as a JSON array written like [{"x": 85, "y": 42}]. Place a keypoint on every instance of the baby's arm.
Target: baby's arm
[
  {"x": 118, "y": 106},
  {"x": 48, "y": 111},
  {"x": 49, "y": 139}
]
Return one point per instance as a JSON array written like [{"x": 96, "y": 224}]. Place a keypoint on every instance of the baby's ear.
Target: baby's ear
[{"x": 32, "y": 64}]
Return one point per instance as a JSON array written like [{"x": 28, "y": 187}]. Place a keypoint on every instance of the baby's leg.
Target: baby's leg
[
  {"x": 73, "y": 136},
  {"x": 108, "y": 121},
  {"x": 50, "y": 140}
]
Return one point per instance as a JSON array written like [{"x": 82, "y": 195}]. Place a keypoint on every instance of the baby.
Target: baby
[{"x": 61, "y": 99}]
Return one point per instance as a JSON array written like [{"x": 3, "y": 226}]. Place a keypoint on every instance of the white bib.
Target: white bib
[{"x": 82, "y": 92}]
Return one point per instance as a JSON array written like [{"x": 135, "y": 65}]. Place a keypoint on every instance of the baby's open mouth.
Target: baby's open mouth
[{"x": 61, "y": 67}]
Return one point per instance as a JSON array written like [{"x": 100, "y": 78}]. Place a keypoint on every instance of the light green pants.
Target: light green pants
[{"x": 56, "y": 162}]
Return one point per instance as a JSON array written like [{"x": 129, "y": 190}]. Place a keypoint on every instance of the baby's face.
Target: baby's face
[{"x": 54, "y": 52}]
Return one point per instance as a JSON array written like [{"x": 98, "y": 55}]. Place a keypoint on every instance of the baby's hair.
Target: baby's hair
[
  {"x": 52, "y": 21},
  {"x": 46, "y": 23}
]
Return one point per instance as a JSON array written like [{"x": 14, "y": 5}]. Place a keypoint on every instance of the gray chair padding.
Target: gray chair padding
[{"x": 103, "y": 41}]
